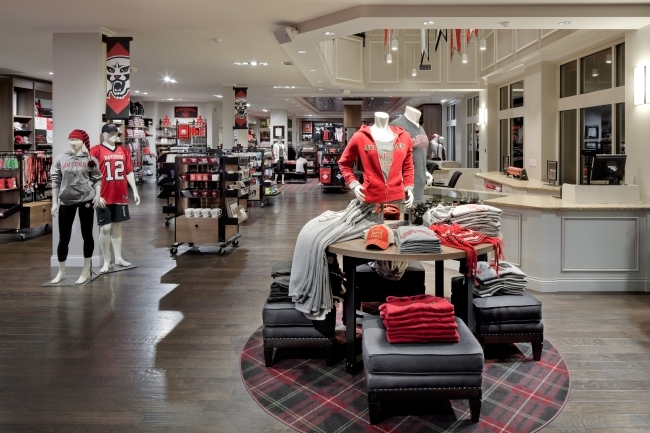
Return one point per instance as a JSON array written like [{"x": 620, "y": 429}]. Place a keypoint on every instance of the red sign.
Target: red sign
[
  {"x": 306, "y": 126},
  {"x": 186, "y": 112}
]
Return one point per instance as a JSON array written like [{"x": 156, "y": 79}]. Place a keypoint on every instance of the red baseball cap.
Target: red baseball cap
[{"x": 379, "y": 236}]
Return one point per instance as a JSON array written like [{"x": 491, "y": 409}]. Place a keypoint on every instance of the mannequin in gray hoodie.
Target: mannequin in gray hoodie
[{"x": 76, "y": 185}]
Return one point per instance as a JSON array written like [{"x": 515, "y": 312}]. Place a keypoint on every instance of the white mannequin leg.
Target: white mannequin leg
[
  {"x": 283, "y": 179},
  {"x": 105, "y": 246},
  {"x": 117, "y": 245},
  {"x": 85, "y": 272},
  {"x": 61, "y": 273},
  {"x": 276, "y": 177}
]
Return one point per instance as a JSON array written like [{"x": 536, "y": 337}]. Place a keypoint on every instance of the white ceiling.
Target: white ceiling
[{"x": 175, "y": 38}]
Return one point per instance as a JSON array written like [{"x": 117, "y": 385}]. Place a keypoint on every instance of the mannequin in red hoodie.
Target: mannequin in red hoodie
[{"x": 387, "y": 156}]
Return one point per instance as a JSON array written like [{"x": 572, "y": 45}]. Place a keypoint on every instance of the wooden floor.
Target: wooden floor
[{"x": 156, "y": 349}]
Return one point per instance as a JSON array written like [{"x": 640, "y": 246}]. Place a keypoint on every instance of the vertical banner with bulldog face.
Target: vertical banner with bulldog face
[
  {"x": 118, "y": 73},
  {"x": 241, "y": 110}
]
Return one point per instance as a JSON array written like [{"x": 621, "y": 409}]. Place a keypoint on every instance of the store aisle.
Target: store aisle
[{"x": 156, "y": 349}]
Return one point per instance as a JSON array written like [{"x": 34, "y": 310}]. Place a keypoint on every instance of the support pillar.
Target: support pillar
[
  {"x": 79, "y": 98},
  {"x": 228, "y": 117},
  {"x": 279, "y": 117}
]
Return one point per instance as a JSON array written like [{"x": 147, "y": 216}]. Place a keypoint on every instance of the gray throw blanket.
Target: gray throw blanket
[{"x": 310, "y": 284}]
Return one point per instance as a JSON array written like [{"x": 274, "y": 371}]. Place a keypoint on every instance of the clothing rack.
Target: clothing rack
[{"x": 19, "y": 210}]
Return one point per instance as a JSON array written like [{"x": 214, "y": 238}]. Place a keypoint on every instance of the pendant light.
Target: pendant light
[
  {"x": 483, "y": 45},
  {"x": 608, "y": 58},
  {"x": 594, "y": 72},
  {"x": 389, "y": 58},
  {"x": 414, "y": 72},
  {"x": 465, "y": 58},
  {"x": 394, "y": 44}
]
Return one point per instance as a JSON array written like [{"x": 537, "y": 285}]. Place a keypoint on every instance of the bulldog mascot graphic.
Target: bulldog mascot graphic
[
  {"x": 118, "y": 73},
  {"x": 241, "y": 109}
]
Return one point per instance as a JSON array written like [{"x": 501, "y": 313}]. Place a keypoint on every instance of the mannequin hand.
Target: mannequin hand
[
  {"x": 429, "y": 179},
  {"x": 99, "y": 202},
  {"x": 55, "y": 209},
  {"x": 358, "y": 191},
  {"x": 136, "y": 197},
  {"x": 409, "y": 198}
]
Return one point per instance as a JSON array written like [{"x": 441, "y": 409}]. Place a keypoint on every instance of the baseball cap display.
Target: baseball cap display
[
  {"x": 18, "y": 139},
  {"x": 109, "y": 127},
  {"x": 379, "y": 236}
]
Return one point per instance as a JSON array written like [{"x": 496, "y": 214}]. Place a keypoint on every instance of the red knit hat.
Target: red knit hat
[{"x": 80, "y": 134}]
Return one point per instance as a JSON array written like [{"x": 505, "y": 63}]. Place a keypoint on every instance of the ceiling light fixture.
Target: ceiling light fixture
[
  {"x": 173, "y": 81},
  {"x": 319, "y": 81},
  {"x": 443, "y": 101},
  {"x": 265, "y": 110},
  {"x": 312, "y": 70},
  {"x": 483, "y": 45},
  {"x": 464, "y": 58},
  {"x": 51, "y": 73},
  {"x": 253, "y": 63},
  {"x": 566, "y": 23},
  {"x": 284, "y": 87},
  {"x": 145, "y": 93},
  {"x": 329, "y": 33},
  {"x": 248, "y": 105},
  {"x": 389, "y": 58},
  {"x": 136, "y": 91},
  {"x": 302, "y": 52},
  {"x": 608, "y": 58},
  {"x": 218, "y": 96},
  {"x": 414, "y": 72},
  {"x": 428, "y": 23},
  {"x": 594, "y": 72},
  {"x": 320, "y": 90},
  {"x": 394, "y": 45}
]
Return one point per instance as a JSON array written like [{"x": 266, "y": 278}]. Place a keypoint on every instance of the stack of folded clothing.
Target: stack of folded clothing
[
  {"x": 478, "y": 217},
  {"x": 502, "y": 279},
  {"x": 419, "y": 319},
  {"x": 417, "y": 240},
  {"x": 281, "y": 273}
]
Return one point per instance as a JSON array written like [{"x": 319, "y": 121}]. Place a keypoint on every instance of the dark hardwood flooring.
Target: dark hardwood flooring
[{"x": 156, "y": 349}]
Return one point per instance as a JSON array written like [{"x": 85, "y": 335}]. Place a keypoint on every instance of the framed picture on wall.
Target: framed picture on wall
[
  {"x": 505, "y": 164},
  {"x": 186, "y": 112},
  {"x": 551, "y": 171},
  {"x": 306, "y": 126},
  {"x": 591, "y": 132},
  {"x": 278, "y": 131}
]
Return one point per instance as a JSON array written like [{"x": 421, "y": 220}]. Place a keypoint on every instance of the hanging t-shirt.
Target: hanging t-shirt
[{"x": 385, "y": 152}]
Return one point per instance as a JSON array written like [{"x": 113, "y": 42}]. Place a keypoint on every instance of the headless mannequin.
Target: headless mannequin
[
  {"x": 113, "y": 232},
  {"x": 413, "y": 116},
  {"x": 279, "y": 151},
  {"x": 77, "y": 147},
  {"x": 380, "y": 131}
]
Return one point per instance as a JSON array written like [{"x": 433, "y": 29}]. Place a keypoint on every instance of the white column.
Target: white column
[
  {"x": 79, "y": 88},
  {"x": 215, "y": 118},
  {"x": 228, "y": 116}
]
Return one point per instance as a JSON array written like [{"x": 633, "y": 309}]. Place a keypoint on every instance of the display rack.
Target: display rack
[
  {"x": 261, "y": 169},
  {"x": 310, "y": 153},
  {"x": 204, "y": 182},
  {"x": 135, "y": 137},
  {"x": 24, "y": 203}
]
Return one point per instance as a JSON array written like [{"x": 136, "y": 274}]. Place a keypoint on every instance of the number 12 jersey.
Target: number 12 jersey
[{"x": 114, "y": 166}]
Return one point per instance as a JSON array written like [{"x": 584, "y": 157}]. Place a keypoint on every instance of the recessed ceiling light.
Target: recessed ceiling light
[
  {"x": 173, "y": 81},
  {"x": 167, "y": 79},
  {"x": 312, "y": 70},
  {"x": 428, "y": 23},
  {"x": 265, "y": 110},
  {"x": 264, "y": 64},
  {"x": 320, "y": 90},
  {"x": 286, "y": 99},
  {"x": 248, "y": 105},
  {"x": 319, "y": 81},
  {"x": 284, "y": 87},
  {"x": 253, "y": 63},
  {"x": 51, "y": 73},
  {"x": 443, "y": 100},
  {"x": 145, "y": 93},
  {"x": 329, "y": 33},
  {"x": 566, "y": 23},
  {"x": 136, "y": 91},
  {"x": 302, "y": 52},
  {"x": 218, "y": 96},
  {"x": 244, "y": 63}
]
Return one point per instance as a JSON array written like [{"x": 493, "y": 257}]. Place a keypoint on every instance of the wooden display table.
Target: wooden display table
[{"x": 354, "y": 253}]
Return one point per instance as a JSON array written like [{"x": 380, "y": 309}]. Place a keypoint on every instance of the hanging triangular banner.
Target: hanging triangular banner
[
  {"x": 424, "y": 45},
  {"x": 439, "y": 35}
]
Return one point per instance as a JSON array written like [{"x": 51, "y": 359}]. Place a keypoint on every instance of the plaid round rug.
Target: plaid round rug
[{"x": 519, "y": 394}]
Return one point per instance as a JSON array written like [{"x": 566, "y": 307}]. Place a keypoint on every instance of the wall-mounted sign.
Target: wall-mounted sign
[
  {"x": 306, "y": 126},
  {"x": 186, "y": 112}
]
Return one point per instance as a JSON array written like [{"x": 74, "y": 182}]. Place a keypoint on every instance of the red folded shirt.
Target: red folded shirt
[
  {"x": 422, "y": 327},
  {"x": 416, "y": 319},
  {"x": 423, "y": 337},
  {"x": 409, "y": 305}
]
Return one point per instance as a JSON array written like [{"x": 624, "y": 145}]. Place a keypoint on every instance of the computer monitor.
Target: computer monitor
[{"x": 610, "y": 168}]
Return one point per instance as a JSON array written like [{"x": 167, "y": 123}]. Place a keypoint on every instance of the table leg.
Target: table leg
[
  {"x": 464, "y": 304},
  {"x": 440, "y": 279},
  {"x": 350, "y": 270}
]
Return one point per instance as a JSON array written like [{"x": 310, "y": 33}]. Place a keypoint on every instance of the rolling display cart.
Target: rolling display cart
[
  {"x": 205, "y": 181},
  {"x": 261, "y": 168}
]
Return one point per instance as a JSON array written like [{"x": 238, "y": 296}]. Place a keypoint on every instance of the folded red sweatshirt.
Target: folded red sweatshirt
[
  {"x": 409, "y": 306},
  {"x": 422, "y": 327},
  {"x": 449, "y": 337},
  {"x": 417, "y": 318}
]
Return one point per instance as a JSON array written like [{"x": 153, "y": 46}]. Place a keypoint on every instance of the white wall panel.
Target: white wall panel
[
  {"x": 525, "y": 38},
  {"x": 504, "y": 44},
  {"x": 600, "y": 244},
  {"x": 488, "y": 55},
  {"x": 461, "y": 73},
  {"x": 380, "y": 72},
  {"x": 411, "y": 60},
  {"x": 511, "y": 230},
  {"x": 349, "y": 59}
]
